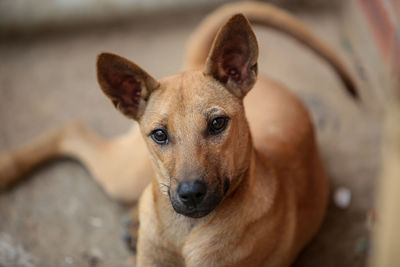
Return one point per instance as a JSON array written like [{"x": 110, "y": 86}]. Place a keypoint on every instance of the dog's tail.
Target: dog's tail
[
  {"x": 73, "y": 140},
  {"x": 268, "y": 15}
]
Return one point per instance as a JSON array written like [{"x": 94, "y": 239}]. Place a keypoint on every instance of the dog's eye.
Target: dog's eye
[
  {"x": 217, "y": 125},
  {"x": 159, "y": 136}
]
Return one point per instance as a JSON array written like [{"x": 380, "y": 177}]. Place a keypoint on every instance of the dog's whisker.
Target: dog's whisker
[
  {"x": 176, "y": 180},
  {"x": 164, "y": 188},
  {"x": 164, "y": 185}
]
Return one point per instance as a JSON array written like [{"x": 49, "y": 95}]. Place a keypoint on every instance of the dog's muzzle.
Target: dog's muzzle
[{"x": 195, "y": 199}]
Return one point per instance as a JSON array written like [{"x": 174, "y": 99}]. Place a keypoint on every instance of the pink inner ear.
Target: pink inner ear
[
  {"x": 235, "y": 65},
  {"x": 234, "y": 58},
  {"x": 126, "y": 91}
]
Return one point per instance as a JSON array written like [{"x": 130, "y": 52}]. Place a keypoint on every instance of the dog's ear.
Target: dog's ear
[
  {"x": 233, "y": 56},
  {"x": 126, "y": 84}
]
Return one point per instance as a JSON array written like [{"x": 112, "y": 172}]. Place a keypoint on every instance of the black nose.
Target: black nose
[{"x": 192, "y": 193}]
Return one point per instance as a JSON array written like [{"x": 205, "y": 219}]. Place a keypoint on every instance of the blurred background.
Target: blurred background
[{"x": 60, "y": 217}]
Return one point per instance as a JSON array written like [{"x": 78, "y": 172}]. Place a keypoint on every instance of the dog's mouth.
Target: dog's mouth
[
  {"x": 198, "y": 211},
  {"x": 194, "y": 213}
]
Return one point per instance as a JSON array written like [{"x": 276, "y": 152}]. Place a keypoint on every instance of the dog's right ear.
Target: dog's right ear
[{"x": 126, "y": 84}]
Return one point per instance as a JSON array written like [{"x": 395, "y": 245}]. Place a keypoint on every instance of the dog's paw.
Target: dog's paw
[{"x": 130, "y": 233}]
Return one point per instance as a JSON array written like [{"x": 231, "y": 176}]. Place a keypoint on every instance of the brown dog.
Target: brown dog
[{"x": 235, "y": 181}]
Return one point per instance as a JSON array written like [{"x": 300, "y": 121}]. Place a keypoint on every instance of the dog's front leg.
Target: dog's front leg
[
  {"x": 150, "y": 253},
  {"x": 153, "y": 248},
  {"x": 131, "y": 231}
]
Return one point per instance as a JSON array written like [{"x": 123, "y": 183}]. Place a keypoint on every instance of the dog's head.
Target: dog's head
[{"x": 193, "y": 122}]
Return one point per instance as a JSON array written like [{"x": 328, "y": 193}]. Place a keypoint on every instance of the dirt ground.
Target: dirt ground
[{"x": 60, "y": 217}]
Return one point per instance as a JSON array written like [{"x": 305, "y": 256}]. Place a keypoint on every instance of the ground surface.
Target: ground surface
[{"x": 60, "y": 217}]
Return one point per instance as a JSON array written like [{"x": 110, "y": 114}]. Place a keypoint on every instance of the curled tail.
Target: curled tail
[{"x": 267, "y": 15}]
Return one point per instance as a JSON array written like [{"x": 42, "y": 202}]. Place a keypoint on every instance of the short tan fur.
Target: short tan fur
[{"x": 224, "y": 160}]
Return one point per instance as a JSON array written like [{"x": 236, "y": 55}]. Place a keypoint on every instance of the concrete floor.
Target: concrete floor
[{"x": 60, "y": 217}]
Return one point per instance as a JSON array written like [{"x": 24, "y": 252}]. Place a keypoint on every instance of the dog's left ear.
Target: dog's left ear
[
  {"x": 233, "y": 56},
  {"x": 126, "y": 84}
]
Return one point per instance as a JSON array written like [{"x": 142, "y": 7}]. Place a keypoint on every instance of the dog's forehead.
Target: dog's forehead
[
  {"x": 188, "y": 94},
  {"x": 193, "y": 89}
]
